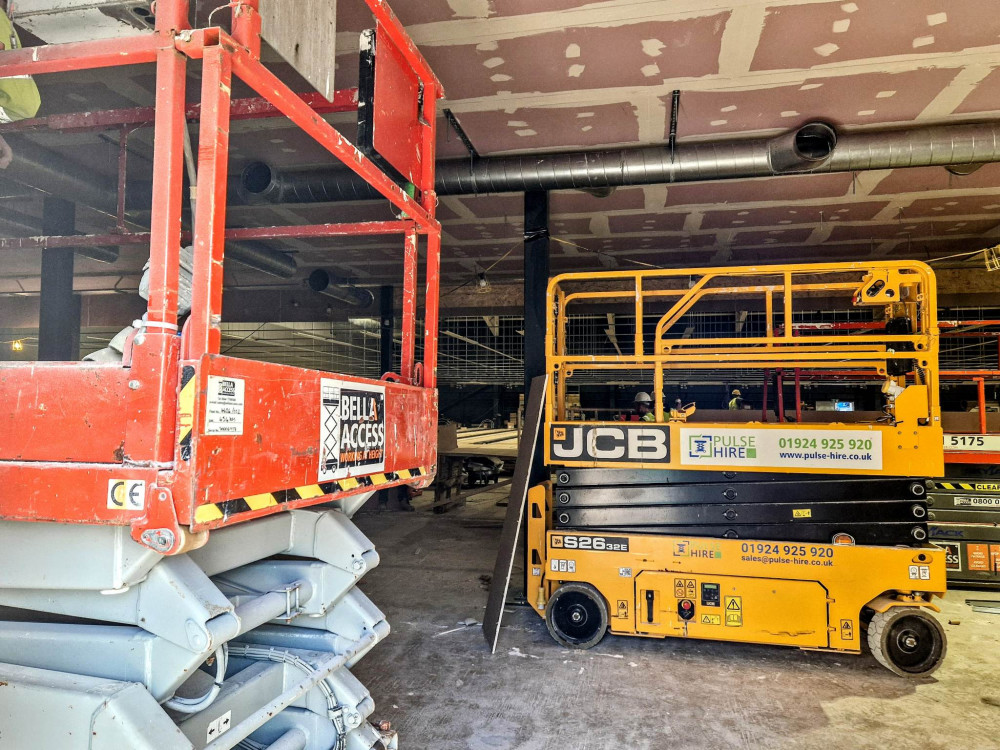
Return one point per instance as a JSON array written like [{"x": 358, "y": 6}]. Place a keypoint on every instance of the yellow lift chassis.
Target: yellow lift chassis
[
  {"x": 809, "y": 594},
  {"x": 813, "y": 596}
]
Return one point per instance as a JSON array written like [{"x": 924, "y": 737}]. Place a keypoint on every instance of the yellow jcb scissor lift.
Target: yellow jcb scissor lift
[{"x": 797, "y": 534}]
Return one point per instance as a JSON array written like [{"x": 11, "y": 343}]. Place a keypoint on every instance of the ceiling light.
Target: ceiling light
[{"x": 17, "y": 346}]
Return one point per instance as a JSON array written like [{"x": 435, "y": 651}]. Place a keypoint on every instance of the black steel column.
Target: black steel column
[
  {"x": 59, "y": 309},
  {"x": 387, "y": 317},
  {"x": 536, "y": 281}
]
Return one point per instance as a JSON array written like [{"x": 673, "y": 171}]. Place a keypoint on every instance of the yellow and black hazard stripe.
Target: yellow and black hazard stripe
[
  {"x": 227, "y": 509},
  {"x": 185, "y": 412},
  {"x": 968, "y": 486}
]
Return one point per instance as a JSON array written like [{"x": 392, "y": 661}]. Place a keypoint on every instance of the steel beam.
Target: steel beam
[
  {"x": 59, "y": 310},
  {"x": 101, "y": 53},
  {"x": 536, "y": 280},
  {"x": 250, "y": 108},
  {"x": 238, "y": 234}
]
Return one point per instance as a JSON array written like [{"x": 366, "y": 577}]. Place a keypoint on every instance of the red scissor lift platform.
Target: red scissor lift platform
[{"x": 169, "y": 498}]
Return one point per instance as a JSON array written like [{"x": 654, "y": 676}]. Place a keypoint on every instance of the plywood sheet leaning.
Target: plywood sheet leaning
[
  {"x": 515, "y": 512},
  {"x": 304, "y": 34}
]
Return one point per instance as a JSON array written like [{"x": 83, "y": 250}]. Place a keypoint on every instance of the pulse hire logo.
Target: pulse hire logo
[
  {"x": 684, "y": 548},
  {"x": 722, "y": 446}
]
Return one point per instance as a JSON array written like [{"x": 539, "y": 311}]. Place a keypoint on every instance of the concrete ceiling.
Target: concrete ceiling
[{"x": 546, "y": 75}]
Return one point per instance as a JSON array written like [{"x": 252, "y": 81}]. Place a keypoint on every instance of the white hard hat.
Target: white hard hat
[{"x": 642, "y": 398}]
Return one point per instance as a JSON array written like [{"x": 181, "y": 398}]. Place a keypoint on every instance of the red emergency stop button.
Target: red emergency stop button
[{"x": 685, "y": 609}]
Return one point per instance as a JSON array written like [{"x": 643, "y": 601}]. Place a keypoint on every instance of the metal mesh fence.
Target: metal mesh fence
[
  {"x": 973, "y": 346},
  {"x": 489, "y": 350},
  {"x": 350, "y": 347},
  {"x": 481, "y": 350}
]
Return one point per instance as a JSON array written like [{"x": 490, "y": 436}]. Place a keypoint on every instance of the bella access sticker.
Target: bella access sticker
[
  {"x": 225, "y": 402},
  {"x": 351, "y": 430}
]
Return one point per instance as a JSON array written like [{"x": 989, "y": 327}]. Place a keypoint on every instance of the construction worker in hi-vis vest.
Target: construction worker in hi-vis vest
[
  {"x": 736, "y": 402},
  {"x": 19, "y": 98},
  {"x": 644, "y": 407}
]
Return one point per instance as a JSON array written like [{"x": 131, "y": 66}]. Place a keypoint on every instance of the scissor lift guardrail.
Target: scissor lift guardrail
[{"x": 154, "y": 514}]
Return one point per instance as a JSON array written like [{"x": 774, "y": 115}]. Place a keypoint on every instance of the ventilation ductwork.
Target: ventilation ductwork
[
  {"x": 39, "y": 168},
  {"x": 815, "y": 147},
  {"x": 801, "y": 150},
  {"x": 340, "y": 289},
  {"x": 262, "y": 258}
]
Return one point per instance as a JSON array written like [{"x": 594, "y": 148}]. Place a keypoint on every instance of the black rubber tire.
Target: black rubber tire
[
  {"x": 907, "y": 641},
  {"x": 577, "y": 615}
]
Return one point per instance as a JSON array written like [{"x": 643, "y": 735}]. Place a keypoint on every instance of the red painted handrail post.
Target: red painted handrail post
[
  {"x": 432, "y": 309},
  {"x": 981, "y": 395},
  {"x": 155, "y": 371},
  {"x": 407, "y": 360},
  {"x": 247, "y": 24},
  {"x": 172, "y": 15},
  {"x": 203, "y": 335},
  {"x": 429, "y": 200}
]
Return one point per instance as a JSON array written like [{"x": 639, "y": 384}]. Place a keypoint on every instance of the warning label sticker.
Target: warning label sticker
[
  {"x": 814, "y": 449},
  {"x": 351, "y": 430},
  {"x": 983, "y": 557},
  {"x": 711, "y": 619},
  {"x": 846, "y": 630},
  {"x": 224, "y": 406},
  {"x": 685, "y": 588},
  {"x": 734, "y": 611}
]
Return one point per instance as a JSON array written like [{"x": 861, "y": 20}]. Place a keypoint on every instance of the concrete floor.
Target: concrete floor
[{"x": 442, "y": 689}]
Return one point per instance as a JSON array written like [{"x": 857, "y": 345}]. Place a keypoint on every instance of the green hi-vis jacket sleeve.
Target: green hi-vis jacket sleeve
[{"x": 19, "y": 98}]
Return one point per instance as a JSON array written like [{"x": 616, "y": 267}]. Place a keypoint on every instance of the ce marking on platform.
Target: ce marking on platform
[{"x": 126, "y": 494}]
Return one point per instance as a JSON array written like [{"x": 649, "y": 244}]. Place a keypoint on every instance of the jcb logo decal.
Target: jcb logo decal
[{"x": 638, "y": 443}]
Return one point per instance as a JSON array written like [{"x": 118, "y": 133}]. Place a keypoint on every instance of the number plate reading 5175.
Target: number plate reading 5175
[{"x": 596, "y": 543}]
